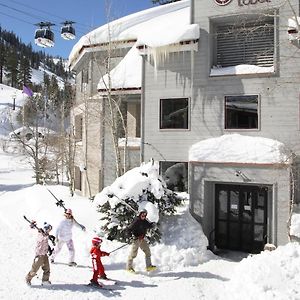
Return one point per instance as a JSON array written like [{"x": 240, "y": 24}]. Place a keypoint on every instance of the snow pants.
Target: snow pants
[
  {"x": 139, "y": 243},
  {"x": 59, "y": 246},
  {"x": 98, "y": 269},
  {"x": 40, "y": 261}
]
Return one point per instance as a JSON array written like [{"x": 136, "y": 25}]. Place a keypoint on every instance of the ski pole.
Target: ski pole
[
  {"x": 125, "y": 203},
  {"x": 118, "y": 248}
]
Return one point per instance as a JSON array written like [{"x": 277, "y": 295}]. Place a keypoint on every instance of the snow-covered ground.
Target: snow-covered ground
[{"x": 186, "y": 269}]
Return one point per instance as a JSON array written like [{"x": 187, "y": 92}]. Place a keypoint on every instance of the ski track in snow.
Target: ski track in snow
[
  {"x": 70, "y": 282},
  {"x": 17, "y": 253}
]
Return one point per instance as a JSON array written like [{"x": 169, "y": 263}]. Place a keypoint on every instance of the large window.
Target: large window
[
  {"x": 174, "y": 113},
  {"x": 241, "y": 112},
  {"x": 78, "y": 127},
  {"x": 175, "y": 175},
  {"x": 78, "y": 178},
  {"x": 245, "y": 40},
  {"x": 84, "y": 80}
]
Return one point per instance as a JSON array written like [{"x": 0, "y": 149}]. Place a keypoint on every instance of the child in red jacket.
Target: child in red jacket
[{"x": 96, "y": 254}]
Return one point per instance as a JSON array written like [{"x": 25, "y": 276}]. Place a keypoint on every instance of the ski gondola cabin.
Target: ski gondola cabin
[
  {"x": 68, "y": 32},
  {"x": 44, "y": 37}
]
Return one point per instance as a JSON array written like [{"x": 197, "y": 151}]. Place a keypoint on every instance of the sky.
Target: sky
[{"x": 20, "y": 17}]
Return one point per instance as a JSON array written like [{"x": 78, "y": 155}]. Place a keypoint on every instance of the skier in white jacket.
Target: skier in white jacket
[{"x": 64, "y": 236}]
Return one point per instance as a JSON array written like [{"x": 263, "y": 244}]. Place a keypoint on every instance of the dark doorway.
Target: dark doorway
[{"x": 241, "y": 217}]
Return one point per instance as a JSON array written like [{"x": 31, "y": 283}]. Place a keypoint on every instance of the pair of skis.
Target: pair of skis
[
  {"x": 50, "y": 237},
  {"x": 104, "y": 284},
  {"x": 60, "y": 203}
]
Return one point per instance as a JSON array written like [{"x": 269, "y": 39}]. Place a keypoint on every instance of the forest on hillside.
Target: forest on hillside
[
  {"x": 17, "y": 60},
  {"x": 16, "y": 63}
]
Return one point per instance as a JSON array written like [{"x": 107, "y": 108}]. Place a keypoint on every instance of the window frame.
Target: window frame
[
  {"x": 78, "y": 120},
  {"x": 258, "y": 113},
  {"x": 84, "y": 80},
  {"x": 248, "y": 18},
  {"x": 161, "y": 128}
]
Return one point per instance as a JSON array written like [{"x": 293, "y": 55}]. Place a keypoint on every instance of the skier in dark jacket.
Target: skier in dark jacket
[{"x": 138, "y": 228}]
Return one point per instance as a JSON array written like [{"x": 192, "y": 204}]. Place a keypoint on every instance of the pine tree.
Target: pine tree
[
  {"x": 116, "y": 219},
  {"x": 2, "y": 60},
  {"x": 24, "y": 75},
  {"x": 12, "y": 68}
]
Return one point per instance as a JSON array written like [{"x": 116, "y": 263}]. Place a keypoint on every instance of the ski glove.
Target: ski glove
[
  {"x": 52, "y": 239},
  {"x": 153, "y": 225}
]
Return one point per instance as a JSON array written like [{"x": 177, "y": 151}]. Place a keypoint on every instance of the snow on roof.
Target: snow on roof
[
  {"x": 25, "y": 129},
  {"x": 7, "y": 94},
  {"x": 126, "y": 75},
  {"x": 240, "y": 69},
  {"x": 155, "y": 27},
  {"x": 236, "y": 148},
  {"x": 293, "y": 23}
]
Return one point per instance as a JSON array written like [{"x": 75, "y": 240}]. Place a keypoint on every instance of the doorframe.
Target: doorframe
[{"x": 210, "y": 187}]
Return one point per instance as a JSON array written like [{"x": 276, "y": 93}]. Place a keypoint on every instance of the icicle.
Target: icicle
[{"x": 159, "y": 55}]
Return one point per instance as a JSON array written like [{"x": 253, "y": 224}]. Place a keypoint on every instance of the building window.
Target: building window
[
  {"x": 78, "y": 127},
  {"x": 78, "y": 178},
  {"x": 174, "y": 113},
  {"x": 244, "y": 40},
  {"x": 241, "y": 112},
  {"x": 175, "y": 175},
  {"x": 84, "y": 80}
]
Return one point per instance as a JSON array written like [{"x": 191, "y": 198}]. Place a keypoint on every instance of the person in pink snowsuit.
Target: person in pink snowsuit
[
  {"x": 41, "y": 257},
  {"x": 96, "y": 254}
]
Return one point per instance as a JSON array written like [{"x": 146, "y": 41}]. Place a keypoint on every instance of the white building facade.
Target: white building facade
[{"x": 231, "y": 69}]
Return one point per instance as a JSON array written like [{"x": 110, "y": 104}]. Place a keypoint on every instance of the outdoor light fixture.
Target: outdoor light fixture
[
  {"x": 293, "y": 29},
  {"x": 239, "y": 173}
]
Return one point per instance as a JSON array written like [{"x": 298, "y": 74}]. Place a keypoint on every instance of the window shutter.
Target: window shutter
[{"x": 248, "y": 44}]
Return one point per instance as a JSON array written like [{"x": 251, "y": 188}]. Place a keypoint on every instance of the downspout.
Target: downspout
[
  {"x": 102, "y": 143},
  {"x": 192, "y": 10},
  {"x": 142, "y": 154}
]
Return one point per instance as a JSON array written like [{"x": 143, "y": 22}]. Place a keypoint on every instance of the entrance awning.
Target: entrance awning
[{"x": 236, "y": 148}]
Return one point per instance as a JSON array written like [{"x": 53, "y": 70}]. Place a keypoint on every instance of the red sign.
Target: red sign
[{"x": 223, "y": 2}]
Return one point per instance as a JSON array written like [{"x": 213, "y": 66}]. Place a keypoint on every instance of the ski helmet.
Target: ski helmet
[
  {"x": 47, "y": 226},
  {"x": 96, "y": 241},
  {"x": 143, "y": 211}
]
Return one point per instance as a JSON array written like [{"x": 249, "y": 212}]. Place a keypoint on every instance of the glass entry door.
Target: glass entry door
[{"x": 241, "y": 217}]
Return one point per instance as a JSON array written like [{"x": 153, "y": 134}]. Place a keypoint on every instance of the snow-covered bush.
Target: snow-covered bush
[{"x": 141, "y": 187}]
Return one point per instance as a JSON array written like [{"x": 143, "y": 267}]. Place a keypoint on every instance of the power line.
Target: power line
[
  {"x": 13, "y": 17},
  {"x": 20, "y": 11},
  {"x": 60, "y": 19}
]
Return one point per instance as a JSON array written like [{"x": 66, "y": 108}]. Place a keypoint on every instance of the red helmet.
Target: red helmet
[{"x": 96, "y": 241}]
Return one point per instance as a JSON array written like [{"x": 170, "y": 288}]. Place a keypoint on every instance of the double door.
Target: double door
[{"x": 241, "y": 217}]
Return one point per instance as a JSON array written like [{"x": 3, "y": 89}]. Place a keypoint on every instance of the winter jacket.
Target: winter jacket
[
  {"x": 98, "y": 267},
  {"x": 96, "y": 253},
  {"x": 41, "y": 244},
  {"x": 64, "y": 230},
  {"x": 139, "y": 227}
]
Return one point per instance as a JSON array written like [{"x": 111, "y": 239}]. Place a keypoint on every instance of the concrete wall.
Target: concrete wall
[
  {"x": 187, "y": 74},
  {"x": 277, "y": 92},
  {"x": 203, "y": 177}
]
